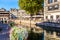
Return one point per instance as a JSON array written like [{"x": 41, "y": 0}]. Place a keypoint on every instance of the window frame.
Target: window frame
[
  {"x": 56, "y": 7},
  {"x": 53, "y": 7},
  {"x": 49, "y": 8},
  {"x": 50, "y": 1},
  {"x": 57, "y": 16},
  {"x": 55, "y": 0},
  {"x": 46, "y": 17},
  {"x": 51, "y": 18}
]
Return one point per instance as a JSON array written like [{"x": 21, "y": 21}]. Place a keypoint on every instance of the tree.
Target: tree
[{"x": 31, "y": 6}]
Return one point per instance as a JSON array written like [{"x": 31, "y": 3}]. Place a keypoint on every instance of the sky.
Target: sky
[{"x": 7, "y": 4}]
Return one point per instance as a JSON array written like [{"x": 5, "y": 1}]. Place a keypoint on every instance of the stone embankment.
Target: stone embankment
[{"x": 26, "y": 23}]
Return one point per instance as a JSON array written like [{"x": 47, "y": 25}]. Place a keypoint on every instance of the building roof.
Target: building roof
[{"x": 2, "y": 10}]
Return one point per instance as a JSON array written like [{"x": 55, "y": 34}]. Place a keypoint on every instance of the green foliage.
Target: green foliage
[
  {"x": 31, "y": 6},
  {"x": 18, "y": 33},
  {"x": 13, "y": 35},
  {"x": 34, "y": 36},
  {"x": 11, "y": 24}
]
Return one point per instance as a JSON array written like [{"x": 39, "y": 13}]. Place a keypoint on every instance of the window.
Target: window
[
  {"x": 51, "y": 17},
  {"x": 46, "y": 17},
  {"x": 57, "y": 16},
  {"x": 55, "y": 0},
  {"x": 50, "y": 8},
  {"x": 50, "y": 1},
  {"x": 58, "y": 34},
  {"x": 56, "y": 6}
]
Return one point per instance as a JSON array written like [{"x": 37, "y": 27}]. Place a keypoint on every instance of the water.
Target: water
[
  {"x": 4, "y": 34},
  {"x": 42, "y": 36}
]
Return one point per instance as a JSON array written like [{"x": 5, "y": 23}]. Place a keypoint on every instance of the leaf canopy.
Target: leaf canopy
[{"x": 31, "y": 6}]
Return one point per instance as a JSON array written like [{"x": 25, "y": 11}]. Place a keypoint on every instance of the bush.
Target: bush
[{"x": 11, "y": 24}]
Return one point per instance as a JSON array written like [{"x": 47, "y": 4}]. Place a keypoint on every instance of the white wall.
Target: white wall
[{"x": 53, "y": 14}]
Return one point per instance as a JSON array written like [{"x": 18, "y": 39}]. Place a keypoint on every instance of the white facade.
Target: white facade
[
  {"x": 13, "y": 12},
  {"x": 18, "y": 13},
  {"x": 53, "y": 12},
  {"x": 22, "y": 13}
]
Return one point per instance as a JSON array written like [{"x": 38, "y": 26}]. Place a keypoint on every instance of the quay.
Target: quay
[{"x": 26, "y": 24}]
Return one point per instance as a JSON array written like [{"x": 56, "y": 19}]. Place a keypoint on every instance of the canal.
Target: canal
[
  {"x": 4, "y": 34},
  {"x": 4, "y": 31},
  {"x": 39, "y": 34}
]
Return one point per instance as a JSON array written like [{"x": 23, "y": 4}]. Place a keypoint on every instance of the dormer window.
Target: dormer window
[{"x": 50, "y": 1}]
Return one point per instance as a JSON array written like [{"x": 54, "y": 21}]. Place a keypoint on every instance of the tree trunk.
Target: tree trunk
[{"x": 30, "y": 21}]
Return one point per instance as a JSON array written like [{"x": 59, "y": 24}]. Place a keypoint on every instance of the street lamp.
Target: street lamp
[{"x": 20, "y": 20}]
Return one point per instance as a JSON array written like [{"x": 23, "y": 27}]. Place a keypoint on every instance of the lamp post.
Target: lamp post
[{"x": 20, "y": 20}]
